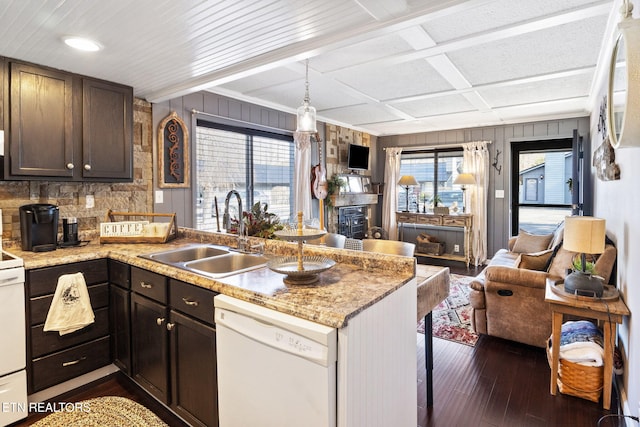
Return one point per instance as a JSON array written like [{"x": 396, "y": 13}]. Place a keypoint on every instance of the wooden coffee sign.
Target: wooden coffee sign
[{"x": 173, "y": 153}]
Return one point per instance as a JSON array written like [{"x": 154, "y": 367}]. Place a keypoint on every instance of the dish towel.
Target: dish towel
[{"x": 70, "y": 309}]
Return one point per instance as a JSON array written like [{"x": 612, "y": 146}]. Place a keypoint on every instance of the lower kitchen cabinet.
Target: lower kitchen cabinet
[
  {"x": 120, "y": 319},
  {"x": 173, "y": 348},
  {"x": 53, "y": 358},
  {"x": 194, "y": 385},
  {"x": 150, "y": 355}
]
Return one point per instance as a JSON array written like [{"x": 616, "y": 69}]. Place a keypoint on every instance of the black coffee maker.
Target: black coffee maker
[{"x": 39, "y": 227}]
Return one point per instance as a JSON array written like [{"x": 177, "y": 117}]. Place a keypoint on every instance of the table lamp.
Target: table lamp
[
  {"x": 464, "y": 179},
  {"x": 585, "y": 235},
  {"x": 407, "y": 181}
]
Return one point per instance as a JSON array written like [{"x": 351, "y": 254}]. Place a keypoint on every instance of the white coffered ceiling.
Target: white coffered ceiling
[{"x": 382, "y": 66}]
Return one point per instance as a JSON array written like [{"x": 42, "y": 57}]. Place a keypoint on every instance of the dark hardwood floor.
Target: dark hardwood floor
[{"x": 496, "y": 383}]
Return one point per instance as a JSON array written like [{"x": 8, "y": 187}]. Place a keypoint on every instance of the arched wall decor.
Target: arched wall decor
[{"x": 173, "y": 153}]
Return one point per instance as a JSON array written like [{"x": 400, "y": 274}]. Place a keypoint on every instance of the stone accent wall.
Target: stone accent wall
[
  {"x": 136, "y": 196},
  {"x": 338, "y": 140},
  {"x": 337, "y": 146}
]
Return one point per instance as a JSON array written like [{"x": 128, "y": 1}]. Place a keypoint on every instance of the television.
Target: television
[{"x": 358, "y": 157}]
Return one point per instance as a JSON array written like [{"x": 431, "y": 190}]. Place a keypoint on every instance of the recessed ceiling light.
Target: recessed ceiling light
[{"x": 82, "y": 43}]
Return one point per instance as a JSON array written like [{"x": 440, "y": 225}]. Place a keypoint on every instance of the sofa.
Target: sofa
[{"x": 507, "y": 298}]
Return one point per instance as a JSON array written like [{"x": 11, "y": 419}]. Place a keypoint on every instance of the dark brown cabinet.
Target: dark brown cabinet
[
  {"x": 120, "y": 319},
  {"x": 194, "y": 385},
  {"x": 41, "y": 122},
  {"x": 66, "y": 126},
  {"x": 149, "y": 340},
  {"x": 174, "y": 345},
  {"x": 107, "y": 126},
  {"x": 53, "y": 358}
]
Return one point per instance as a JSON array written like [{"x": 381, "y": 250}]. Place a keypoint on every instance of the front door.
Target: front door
[{"x": 542, "y": 184}]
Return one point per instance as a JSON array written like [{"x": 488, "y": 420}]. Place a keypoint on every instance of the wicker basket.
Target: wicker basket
[{"x": 578, "y": 380}]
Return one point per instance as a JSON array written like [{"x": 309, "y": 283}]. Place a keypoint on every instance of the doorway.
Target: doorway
[{"x": 541, "y": 184}]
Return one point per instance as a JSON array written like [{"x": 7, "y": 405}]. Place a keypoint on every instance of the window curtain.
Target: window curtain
[
  {"x": 390, "y": 196},
  {"x": 476, "y": 161},
  {"x": 302, "y": 175}
]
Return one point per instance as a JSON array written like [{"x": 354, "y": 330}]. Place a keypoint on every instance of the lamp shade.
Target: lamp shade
[
  {"x": 306, "y": 118},
  {"x": 465, "y": 179},
  {"x": 406, "y": 180},
  {"x": 584, "y": 234}
]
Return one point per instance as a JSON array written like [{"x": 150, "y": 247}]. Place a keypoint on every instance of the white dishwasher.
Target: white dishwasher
[{"x": 274, "y": 370}]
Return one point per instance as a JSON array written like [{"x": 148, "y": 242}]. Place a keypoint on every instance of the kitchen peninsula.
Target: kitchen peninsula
[{"x": 370, "y": 299}]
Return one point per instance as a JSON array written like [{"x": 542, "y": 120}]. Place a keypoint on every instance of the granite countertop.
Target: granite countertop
[{"x": 357, "y": 281}]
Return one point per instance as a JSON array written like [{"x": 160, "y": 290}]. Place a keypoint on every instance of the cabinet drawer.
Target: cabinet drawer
[
  {"x": 454, "y": 221},
  {"x": 119, "y": 274},
  {"x": 405, "y": 217},
  {"x": 65, "y": 365},
  {"x": 429, "y": 219},
  {"x": 48, "y": 342},
  {"x": 39, "y": 306},
  {"x": 44, "y": 280},
  {"x": 192, "y": 300},
  {"x": 149, "y": 284}
]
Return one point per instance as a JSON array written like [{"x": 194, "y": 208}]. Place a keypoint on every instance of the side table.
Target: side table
[{"x": 610, "y": 313}]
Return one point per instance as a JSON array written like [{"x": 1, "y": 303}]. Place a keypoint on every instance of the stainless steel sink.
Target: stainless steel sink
[
  {"x": 209, "y": 260},
  {"x": 225, "y": 265},
  {"x": 191, "y": 253}
]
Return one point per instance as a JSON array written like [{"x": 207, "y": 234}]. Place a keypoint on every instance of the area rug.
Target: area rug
[
  {"x": 108, "y": 411},
  {"x": 452, "y": 317}
]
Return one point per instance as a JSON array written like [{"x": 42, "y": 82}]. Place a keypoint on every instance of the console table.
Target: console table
[{"x": 463, "y": 221}]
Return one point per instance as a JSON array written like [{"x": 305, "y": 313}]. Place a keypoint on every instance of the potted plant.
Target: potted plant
[
  {"x": 335, "y": 184},
  {"x": 258, "y": 222}
]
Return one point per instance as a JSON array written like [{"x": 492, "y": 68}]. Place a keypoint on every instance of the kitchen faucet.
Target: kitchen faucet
[{"x": 227, "y": 220}]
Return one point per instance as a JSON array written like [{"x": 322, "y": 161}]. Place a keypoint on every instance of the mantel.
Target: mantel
[{"x": 350, "y": 199}]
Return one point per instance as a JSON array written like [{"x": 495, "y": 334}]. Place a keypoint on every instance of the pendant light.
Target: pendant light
[{"x": 306, "y": 113}]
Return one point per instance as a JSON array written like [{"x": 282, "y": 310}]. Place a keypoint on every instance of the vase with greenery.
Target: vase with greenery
[
  {"x": 335, "y": 183},
  {"x": 258, "y": 222}
]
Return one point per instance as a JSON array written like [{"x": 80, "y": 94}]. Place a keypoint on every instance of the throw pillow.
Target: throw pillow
[
  {"x": 562, "y": 261},
  {"x": 527, "y": 243},
  {"x": 535, "y": 261}
]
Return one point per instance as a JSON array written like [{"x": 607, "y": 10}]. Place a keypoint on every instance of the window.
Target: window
[
  {"x": 435, "y": 171},
  {"x": 258, "y": 165}
]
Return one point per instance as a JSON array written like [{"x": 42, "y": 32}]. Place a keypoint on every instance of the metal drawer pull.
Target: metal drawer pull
[
  {"x": 160, "y": 321},
  {"x": 73, "y": 362},
  {"x": 146, "y": 285},
  {"x": 191, "y": 303},
  {"x": 170, "y": 326}
]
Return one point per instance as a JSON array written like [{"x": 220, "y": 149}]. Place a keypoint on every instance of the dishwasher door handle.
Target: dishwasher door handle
[{"x": 272, "y": 336}]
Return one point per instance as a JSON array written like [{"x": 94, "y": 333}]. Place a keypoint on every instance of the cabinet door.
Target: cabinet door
[
  {"x": 193, "y": 370},
  {"x": 40, "y": 129},
  {"x": 107, "y": 130},
  {"x": 120, "y": 303},
  {"x": 150, "y": 354}
]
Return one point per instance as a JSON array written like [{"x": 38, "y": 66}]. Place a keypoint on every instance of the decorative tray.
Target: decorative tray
[
  {"x": 307, "y": 234},
  {"x": 609, "y": 293},
  {"x": 312, "y": 265}
]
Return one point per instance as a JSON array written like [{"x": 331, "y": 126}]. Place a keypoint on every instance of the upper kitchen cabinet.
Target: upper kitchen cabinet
[
  {"x": 62, "y": 126},
  {"x": 40, "y": 122},
  {"x": 107, "y": 119}
]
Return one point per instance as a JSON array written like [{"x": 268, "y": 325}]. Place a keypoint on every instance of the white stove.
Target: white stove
[{"x": 13, "y": 360}]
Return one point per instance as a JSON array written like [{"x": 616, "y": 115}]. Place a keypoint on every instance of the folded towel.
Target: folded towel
[
  {"x": 70, "y": 309},
  {"x": 581, "y": 342}
]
